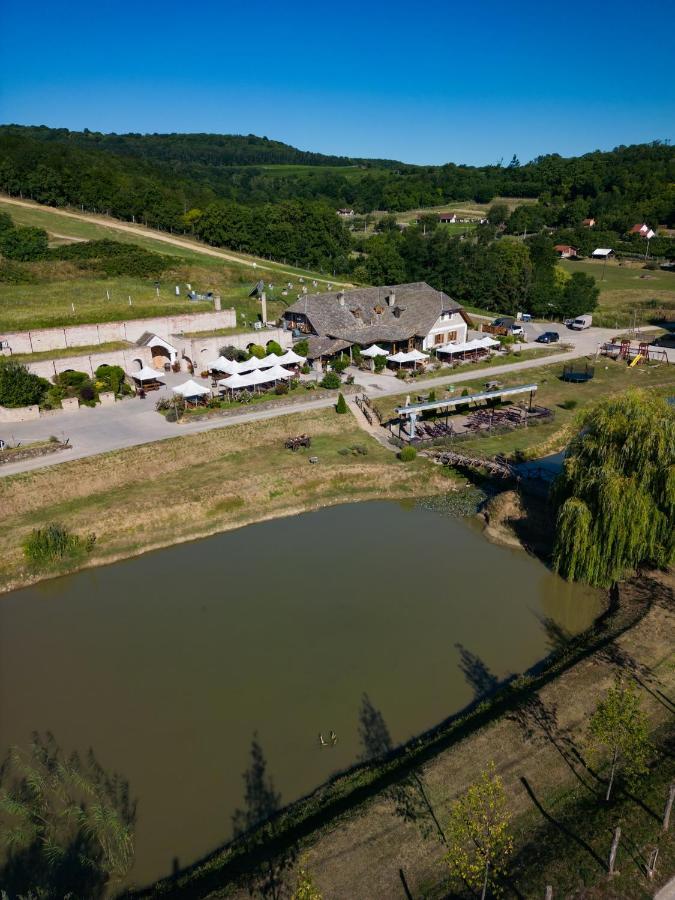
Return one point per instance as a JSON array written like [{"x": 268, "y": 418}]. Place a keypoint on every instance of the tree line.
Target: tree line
[{"x": 505, "y": 275}]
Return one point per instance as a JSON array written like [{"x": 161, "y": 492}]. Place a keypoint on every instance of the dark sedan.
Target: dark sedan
[{"x": 548, "y": 337}]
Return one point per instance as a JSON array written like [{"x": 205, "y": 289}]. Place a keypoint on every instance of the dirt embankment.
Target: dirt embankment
[{"x": 524, "y": 521}]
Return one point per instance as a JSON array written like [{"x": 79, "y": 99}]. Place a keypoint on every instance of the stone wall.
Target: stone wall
[
  {"x": 127, "y": 359},
  {"x": 21, "y": 414},
  {"x": 43, "y": 339}
]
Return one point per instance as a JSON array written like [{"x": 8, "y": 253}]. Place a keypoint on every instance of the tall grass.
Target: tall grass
[{"x": 55, "y": 542}]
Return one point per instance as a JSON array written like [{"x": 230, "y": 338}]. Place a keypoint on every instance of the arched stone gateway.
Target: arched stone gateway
[{"x": 160, "y": 356}]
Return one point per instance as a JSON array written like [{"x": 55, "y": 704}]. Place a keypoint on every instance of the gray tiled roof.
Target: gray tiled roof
[
  {"x": 368, "y": 317},
  {"x": 324, "y": 346}
]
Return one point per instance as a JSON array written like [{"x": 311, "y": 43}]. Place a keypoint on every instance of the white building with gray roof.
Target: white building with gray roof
[{"x": 396, "y": 317}]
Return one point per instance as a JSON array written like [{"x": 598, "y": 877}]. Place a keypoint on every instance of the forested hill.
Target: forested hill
[
  {"x": 188, "y": 149},
  {"x": 160, "y": 178}
]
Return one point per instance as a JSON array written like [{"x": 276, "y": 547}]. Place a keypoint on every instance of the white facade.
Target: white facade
[{"x": 449, "y": 328}]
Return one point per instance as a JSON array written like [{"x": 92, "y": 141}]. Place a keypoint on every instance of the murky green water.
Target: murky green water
[{"x": 168, "y": 663}]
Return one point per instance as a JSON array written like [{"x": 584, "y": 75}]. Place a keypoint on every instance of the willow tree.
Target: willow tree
[{"x": 616, "y": 495}]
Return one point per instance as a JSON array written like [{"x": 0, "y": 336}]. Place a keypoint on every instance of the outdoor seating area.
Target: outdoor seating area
[
  {"x": 479, "y": 421},
  {"x": 473, "y": 350},
  {"x": 254, "y": 374},
  {"x": 147, "y": 379}
]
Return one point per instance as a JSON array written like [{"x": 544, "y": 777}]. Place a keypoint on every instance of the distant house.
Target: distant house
[
  {"x": 345, "y": 213},
  {"x": 602, "y": 253},
  {"x": 447, "y": 218},
  {"x": 643, "y": 230},
  {"x": 588, "y": 223},
  {"x": 565, "y": 251},
  {"x": 396, "y": 317}
]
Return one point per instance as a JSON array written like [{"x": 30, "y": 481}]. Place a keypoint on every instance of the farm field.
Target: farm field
[
  {"x": 536, "y": 441},
  {"x": 464, "y": 207},
  {"x": 49, "y": 302},
  {"x": 625, "y": 289}
]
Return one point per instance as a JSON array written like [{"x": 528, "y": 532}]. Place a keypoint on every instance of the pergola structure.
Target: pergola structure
[{"x": 413, "y": 410}]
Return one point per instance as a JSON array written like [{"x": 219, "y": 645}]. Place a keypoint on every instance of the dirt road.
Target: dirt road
[{"x": 172, "y": 239}]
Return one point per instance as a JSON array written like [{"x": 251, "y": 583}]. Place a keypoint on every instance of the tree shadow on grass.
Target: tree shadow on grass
[{"x": 561, "y": 827}]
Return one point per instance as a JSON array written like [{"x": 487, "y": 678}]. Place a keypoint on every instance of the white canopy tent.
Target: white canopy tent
[
  {"x": 373, "y": 351},
  {"x": 290, "y": 358},
  {"x": 190, "y": 390},
  {"x": 147, "y": 374},
  {"x": 483, "y": 343},
  {"x": 414, "y": 356},
  {"x": 222, "y": 364},
  {"x": 277, "y": 372}
]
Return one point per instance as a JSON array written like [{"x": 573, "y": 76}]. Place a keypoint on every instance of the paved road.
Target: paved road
[
  {"x": 174, "y": 240},
  {"x": 135, "y": 421}
]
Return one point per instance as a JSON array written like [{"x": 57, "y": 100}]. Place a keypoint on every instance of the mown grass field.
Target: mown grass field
[
  {"x": 216, "y": 480},
  {"x": 48, "y": 303},
  {"x": 536, "y": 441},
  {"x": 625, "y": 290}
]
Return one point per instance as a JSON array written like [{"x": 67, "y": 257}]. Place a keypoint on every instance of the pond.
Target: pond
[{"x": 167, "y": 664}]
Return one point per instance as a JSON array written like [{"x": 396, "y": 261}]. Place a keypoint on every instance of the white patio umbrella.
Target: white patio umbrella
[{"x": 374, "y": 351}]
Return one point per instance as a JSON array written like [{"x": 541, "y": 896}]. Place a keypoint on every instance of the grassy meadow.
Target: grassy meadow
[
  {"x": 611, "y": 377},
  {"x": 625, "y": 289},
  {"x": 48, "y": 302}
]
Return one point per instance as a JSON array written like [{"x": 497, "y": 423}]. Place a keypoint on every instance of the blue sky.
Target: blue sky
[{"x": 431, "y": 82}]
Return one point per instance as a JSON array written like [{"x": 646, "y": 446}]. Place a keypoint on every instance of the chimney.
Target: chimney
[
  {"x": 341, "y": 297},
  {"x": 263, "y": 300},
  {"x": 391, "y": 299}
]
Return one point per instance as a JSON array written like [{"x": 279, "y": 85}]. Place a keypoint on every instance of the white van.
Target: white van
[{"x": 582, "y": 322}]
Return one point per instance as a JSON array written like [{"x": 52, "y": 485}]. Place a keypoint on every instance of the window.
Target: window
[
  {"x": 452, "y": 336},
  {"x": 439, "y": 339}
]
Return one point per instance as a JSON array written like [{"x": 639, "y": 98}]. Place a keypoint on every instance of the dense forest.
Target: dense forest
[{"x": 160, "y": 178}]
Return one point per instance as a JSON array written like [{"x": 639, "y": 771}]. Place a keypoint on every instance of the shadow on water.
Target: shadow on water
[
  {"x": 261, "y": 803},
  {"x": 67, "y": 824},
  {"x": 477, "y": 674}
]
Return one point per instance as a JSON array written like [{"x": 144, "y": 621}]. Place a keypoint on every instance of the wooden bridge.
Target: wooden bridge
[{"x": 498, "y": 467}]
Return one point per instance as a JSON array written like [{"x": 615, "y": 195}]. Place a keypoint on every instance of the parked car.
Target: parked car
[
  {"x": 582, "y": 322},
  {"x": 548, "y": 337},
  {"x": 516, "y": 330}
]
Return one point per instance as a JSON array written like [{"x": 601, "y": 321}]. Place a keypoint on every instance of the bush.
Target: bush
[
  {"x": 568, "y": 404},
  {"x": 281, "y": 388},
  {"x": 407, "y": 454},
  {"x": 401, "y": 374},
  {"x": 257, "y": 351},
  {"x": 341, "y": 405},
  {"x": 111, "y": 376},
  {"x": 274, "y": 347},
  {"x": 55, "y": 542},
  {"x": 379, "y": 363},
  {"x": 233, "y": 353},
  {"x": 113, "y": 258},
  {"x": 301, "y": 347},
  {"x": 88, "y": 393},
  {"x": 432, "y": 396},
  {"x": 306, "y": 369},
  {"x": 24, "y": 244},
  {"x": 18, "y": 386},
  {"x": 331, "y": 380},
  {"x": 71, "y": 379},
  {"x": 341, "y": 363}
]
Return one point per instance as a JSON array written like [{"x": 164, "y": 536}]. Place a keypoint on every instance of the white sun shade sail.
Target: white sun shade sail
[
  {"x": 373, "y": 351},
  {"x": 147, "y": 374},
  {"x": 190, "y": 389}
]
